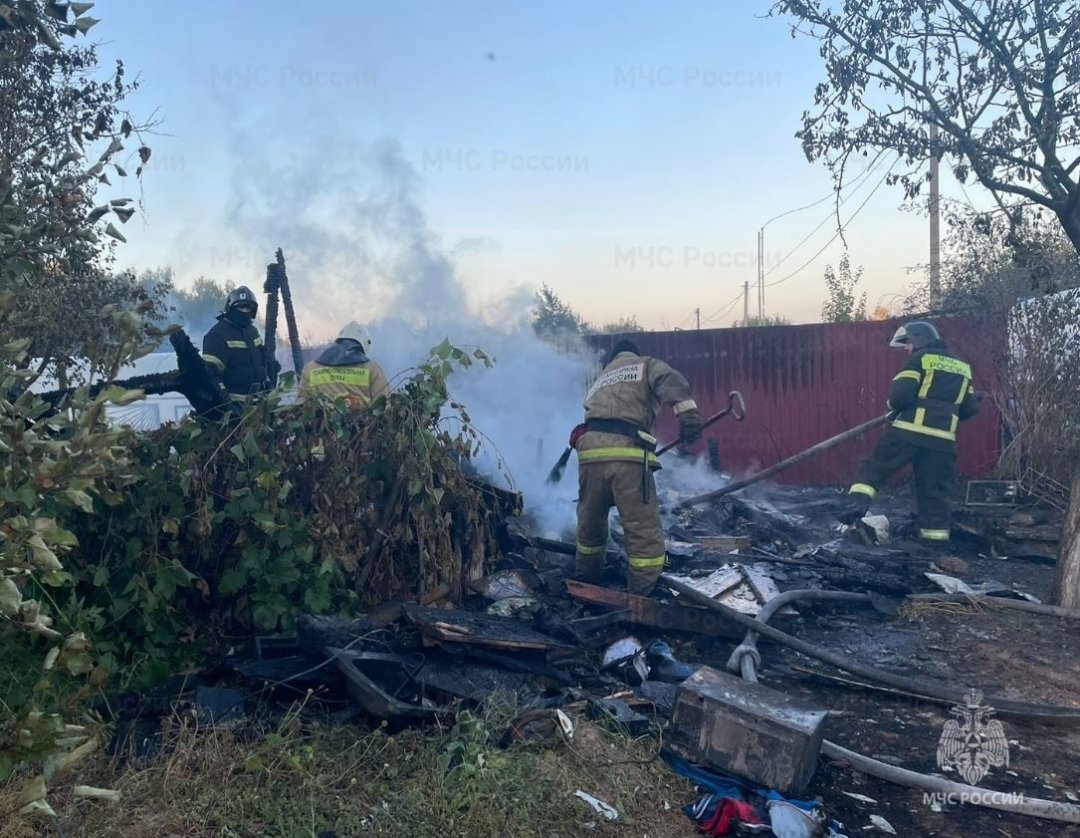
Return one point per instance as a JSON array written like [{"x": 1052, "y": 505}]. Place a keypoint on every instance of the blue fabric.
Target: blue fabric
[{"x": 723, "y": 785}]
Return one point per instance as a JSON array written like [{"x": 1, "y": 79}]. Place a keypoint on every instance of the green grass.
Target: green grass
[{"x": 303, "y": 779}]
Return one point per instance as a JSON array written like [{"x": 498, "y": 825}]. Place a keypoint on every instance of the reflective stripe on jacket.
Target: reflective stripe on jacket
[
  {"x": 238, "y": 354},
  {"x": 931, "y": 395},
  {"x": 631, "y": 388},
  {"x": 344, "y": 371}
]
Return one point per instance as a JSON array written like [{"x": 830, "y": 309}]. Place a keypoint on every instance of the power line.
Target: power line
[
  {"x": 855, "y": 188},
  {"x": 687, "y": 320},
  {"x": 839, "y": 230},
  {"x": 725, "y": 309},
  {"x": 799, "y": 209}
]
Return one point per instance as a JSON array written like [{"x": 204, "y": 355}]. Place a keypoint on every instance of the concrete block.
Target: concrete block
[{"x": 748, "y": 729}]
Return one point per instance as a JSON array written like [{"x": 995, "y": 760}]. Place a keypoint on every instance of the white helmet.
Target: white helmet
[{"x": 354, "y": 331}]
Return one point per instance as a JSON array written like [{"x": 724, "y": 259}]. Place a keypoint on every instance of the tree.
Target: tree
[
  {"x": 624, "y": 325},
  {"x": 197, "y": 308},
  {"x": 998, "y": 80},
  {"x": 554, "y": 318},
  {"x": 841, "y": 305},
  {"x": 990, "y": 262},
  {"x": 62, "y": 132},
  {"x": 767, "y": 320},
  {"x": 54, "y": 260}
]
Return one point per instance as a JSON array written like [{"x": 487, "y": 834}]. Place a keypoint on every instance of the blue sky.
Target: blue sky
[{"x": 625, "y": 153}]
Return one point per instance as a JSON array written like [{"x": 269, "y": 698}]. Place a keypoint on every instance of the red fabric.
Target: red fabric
[
  {"x": 728, "y": 815},
  {"x": 576, "y": 434}
]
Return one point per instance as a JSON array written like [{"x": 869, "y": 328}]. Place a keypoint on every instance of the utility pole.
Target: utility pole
[
  {"x": 934, "y": 207},
  {"x": 746, "y": 303},
  {"x": 697, "y": 313},
  {"x": 935, "y": 223},
  {"x": 761, "y": 271}
]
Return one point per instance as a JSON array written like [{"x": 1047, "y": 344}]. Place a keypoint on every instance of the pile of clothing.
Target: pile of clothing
[{"x": 730, "y": 806}]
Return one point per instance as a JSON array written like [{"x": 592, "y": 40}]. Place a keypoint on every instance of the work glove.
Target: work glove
[
  {"x": 689, "y": 427},
  {"x": 273, "y": 370},
  {"x": 853, "y": 508}
]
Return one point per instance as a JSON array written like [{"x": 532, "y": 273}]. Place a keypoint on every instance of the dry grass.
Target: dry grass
[{"x": 306, "y": 779}]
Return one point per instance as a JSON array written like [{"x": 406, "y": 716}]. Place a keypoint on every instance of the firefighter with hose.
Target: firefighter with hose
[{"x": 929, "y": 398}]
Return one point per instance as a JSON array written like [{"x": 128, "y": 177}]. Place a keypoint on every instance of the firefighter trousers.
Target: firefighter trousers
[
  {"x": 933, "y": 473},
  {"x": 619, "y": 484}
]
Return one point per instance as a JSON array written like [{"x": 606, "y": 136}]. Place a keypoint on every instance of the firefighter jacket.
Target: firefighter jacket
[
  {"x": 238, "y": 354},
  {"x": 622, "y": 404},
  {"x": 344, "y": 371},
  {"x": 930, "y": 396}
]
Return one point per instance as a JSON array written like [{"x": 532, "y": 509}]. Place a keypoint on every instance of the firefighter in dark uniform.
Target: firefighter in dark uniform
[
  {"x": 616, "y": 461},
  {"x": 235, "y": 349},
  {"x": 929, "y": 398}
]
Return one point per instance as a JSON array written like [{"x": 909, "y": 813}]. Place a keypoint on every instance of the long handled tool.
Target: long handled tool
[
  {"x": 858, "y": 430},
  {"x": 736, "y": 407}
]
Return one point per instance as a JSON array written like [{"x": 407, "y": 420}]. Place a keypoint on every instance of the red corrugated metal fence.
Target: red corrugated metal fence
[{"x": 804, "y": 384}]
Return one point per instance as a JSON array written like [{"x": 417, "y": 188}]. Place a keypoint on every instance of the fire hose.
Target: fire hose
[
  {"x": 746, "y": 657},
  {"x": 825, "y": 445},
  {"x": 1067, "y": 716}
]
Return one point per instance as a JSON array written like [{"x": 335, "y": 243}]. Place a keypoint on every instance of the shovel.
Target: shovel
[{"x": 736, "y": 407}]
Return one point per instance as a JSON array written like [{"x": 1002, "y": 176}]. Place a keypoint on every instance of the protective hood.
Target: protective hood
[{"x": 343, "y": 353}]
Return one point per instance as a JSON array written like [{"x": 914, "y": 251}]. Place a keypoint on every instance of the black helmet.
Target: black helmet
[
  {"x": 918, "y": 334},
  {"x": 241, "y": 296},
  {"x": 621, "y": 346}
]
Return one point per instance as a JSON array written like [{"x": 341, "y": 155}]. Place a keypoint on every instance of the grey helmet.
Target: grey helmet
[{"x": 918, "y": 334}]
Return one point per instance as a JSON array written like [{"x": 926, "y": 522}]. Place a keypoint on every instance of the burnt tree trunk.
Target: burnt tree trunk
[{"x": 1067, "y": 578}]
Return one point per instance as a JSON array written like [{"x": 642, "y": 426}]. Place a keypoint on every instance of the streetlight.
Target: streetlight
[{"x": 761, "y": 253}]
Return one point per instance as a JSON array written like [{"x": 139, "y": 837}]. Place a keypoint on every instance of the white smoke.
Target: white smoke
[{"x": 359, "y": 247}]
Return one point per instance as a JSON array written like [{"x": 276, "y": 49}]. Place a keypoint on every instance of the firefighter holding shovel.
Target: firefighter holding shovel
[{"x": 617, "y": 457}]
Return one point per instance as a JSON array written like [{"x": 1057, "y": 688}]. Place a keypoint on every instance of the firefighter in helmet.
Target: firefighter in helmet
[
  {"x": 235, "y": 349},
  {"x": 929, "y": 398},
  {"x": 616, "y": 461},
  {"x": 344, "y": 370}
]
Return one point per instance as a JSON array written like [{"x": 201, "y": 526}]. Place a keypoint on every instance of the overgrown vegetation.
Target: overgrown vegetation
[
  {"x": 843, "y": 302},
  {"x": 767, "y": 320},
  {"x": 1011, "y": 273},
  {"x": 300, "y": 778},
  {"x": 205, "y": 530},
  {"x": 243, "y": 525},
  {"x": 554, "y": 319},
  {"x": 62, "y": 135},
  {"x": 52, "y": 468},
  {"x": 1041, "y": 398}
]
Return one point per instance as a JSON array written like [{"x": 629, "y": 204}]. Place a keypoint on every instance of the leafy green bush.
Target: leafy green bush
[
  {"x": 52, "y": 467},
  {"x": 239, "y": 526}
]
